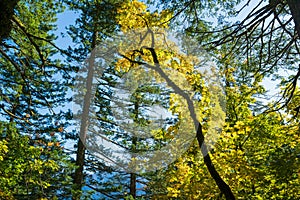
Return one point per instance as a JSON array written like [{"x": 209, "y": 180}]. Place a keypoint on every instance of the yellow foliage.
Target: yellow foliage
[{"x": 133, "y": 15}]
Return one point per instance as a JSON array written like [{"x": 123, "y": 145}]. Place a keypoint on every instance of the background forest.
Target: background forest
[{"x": 254, "y": 48}]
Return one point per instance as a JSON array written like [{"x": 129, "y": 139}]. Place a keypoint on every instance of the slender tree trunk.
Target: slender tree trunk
[
  {"x": 224, "y": 188},
  {"x": 80, "y": 156},
  {"x": 78, "y": 176},
  {"x": 132, "y": 187}
]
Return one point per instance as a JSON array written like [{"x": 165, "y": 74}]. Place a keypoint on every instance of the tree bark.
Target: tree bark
[
  {"x": 78, "y": 176},
  {"x": 133, "y": 185},
  {"x": 294, "y": 6}
]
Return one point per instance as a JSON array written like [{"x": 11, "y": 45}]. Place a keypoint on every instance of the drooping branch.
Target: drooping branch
[{"x": 223, "y": 187}]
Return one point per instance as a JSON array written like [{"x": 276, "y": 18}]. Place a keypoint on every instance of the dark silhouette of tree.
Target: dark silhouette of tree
[
  {"x": 267, "y": 39},
  {"x": 7, "y": 12}
]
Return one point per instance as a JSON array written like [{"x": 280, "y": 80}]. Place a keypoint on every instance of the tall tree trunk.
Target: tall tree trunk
[
  {"x": 294, "y": 6},
  {"x": 78, "y": 176},
  {"x": 132, "y": 186}
]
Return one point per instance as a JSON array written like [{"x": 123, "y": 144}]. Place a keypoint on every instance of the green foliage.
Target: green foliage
[
  {"x": 31, "y": 170},
  {"x": 33, "y": 90},
  {"x": 257, "y": 153}
]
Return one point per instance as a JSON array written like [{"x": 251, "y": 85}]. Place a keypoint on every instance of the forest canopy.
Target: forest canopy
[{"x": 150, "y": 99}]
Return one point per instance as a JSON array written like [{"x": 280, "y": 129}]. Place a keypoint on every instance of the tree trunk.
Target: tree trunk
[
  {"x": 6, "y": 14},
  {"x": 132, "y": 187},
  {"x": 78, "y": 176},
  {"x": 224, "y": 188},
  {"x": 294, "y": 6}
]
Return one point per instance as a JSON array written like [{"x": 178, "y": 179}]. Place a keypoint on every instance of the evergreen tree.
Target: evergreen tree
[{"x": 33, "y": 91}]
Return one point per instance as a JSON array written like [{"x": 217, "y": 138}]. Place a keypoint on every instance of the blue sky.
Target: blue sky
[{"x": 63, "y": 21}]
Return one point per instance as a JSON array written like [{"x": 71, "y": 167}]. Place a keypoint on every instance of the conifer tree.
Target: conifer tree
[{"x": 33, "y": 90}]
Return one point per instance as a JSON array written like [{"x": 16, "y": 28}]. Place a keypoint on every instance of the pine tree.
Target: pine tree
[{"x": 33, "y": 164}]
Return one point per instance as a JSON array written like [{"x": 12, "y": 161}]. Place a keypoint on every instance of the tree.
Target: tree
[
  {"x": 32, "y": 94},
  {"x": 251, "y": 167},
  {"x": 266, "y": 39},
  {"x": 261, "y": 46},
  {"x": 113, "y": 126},
  {"x": 88, "y": 14},
  {"x": 32, "y": 170},
  {"x": 153, "y": 53},
  {"x": 101, "y": 15}
]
